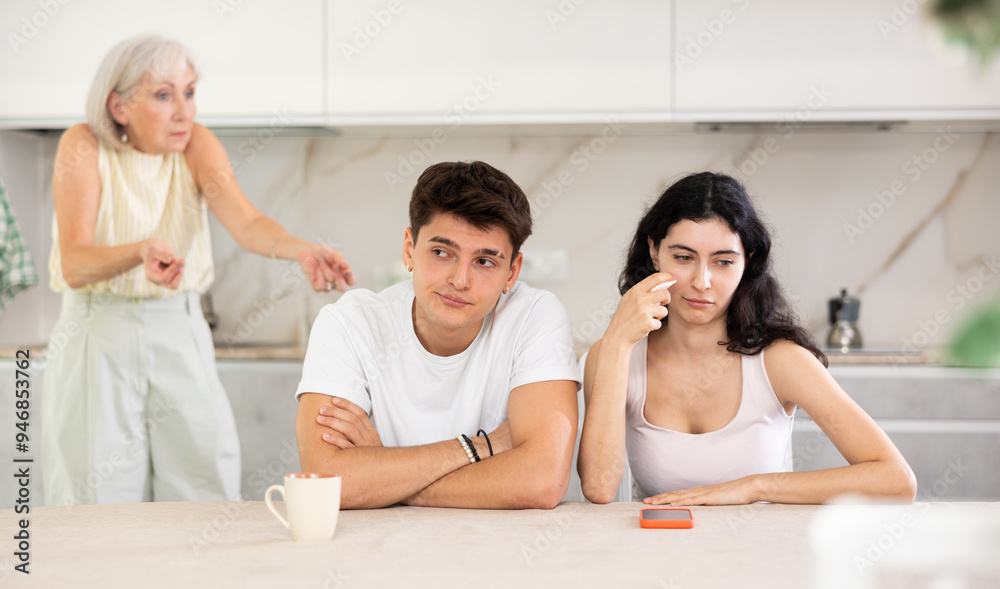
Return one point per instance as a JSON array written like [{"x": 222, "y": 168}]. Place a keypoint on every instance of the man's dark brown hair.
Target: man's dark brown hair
[{"x": 475, "y": 192}]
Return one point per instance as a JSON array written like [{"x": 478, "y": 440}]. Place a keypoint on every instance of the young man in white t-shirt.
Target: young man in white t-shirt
[{"x": 392, "y": 380}]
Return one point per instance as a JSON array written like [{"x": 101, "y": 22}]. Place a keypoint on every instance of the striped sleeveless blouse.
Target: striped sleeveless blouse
[{"x": 146, "y": 196}]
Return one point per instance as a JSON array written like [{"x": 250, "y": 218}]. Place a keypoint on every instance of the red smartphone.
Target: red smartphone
[{"x": 665, "y": 517}]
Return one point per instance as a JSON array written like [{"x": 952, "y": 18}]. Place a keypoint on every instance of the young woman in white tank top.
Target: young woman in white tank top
[{"x": 701, "y": 400}]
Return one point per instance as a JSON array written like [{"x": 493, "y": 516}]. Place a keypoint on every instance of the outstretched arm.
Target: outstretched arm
[
  {"x": 876, "y": 469},
  {"x": 252, "y": 230}
]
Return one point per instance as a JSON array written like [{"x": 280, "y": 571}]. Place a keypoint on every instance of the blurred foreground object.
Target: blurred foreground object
[
  {"x": 934, "y": 545},
  {"x": 977, "y": 340},
  {"x": 974, "y": 24}
]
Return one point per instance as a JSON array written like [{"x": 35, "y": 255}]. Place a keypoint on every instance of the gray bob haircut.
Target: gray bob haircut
[{"x": 146, "y": 59}]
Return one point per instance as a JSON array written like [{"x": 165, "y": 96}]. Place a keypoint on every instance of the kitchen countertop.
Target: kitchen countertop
[
  {"x": 923, "y": 357},
  {"x": 297, "y": 352},
  {"x": 222, "y": 352},
  {"x": 579, "y": 545}
]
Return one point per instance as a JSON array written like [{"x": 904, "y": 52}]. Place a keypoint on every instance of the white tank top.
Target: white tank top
[
  {"x": 758, "y": 440},
  {"x": 146, "y": 196}
]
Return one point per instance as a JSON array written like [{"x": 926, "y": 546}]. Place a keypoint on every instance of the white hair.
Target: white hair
[{"x": 146, "y": 59}]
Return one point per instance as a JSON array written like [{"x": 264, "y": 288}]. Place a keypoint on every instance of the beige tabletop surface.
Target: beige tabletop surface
[{"x": 241, "y": 544}]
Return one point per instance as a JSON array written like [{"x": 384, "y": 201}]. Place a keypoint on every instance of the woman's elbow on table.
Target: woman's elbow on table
[
  {"x": 896, "y": 481},
  {"x": 905, "y": 483},
  {"x": 598, "y": 485},
  {"x": 596, "y": 493}
]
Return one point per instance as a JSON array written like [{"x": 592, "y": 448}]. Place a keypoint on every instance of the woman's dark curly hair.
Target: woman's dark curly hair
[{"x": 758, "y": 315}]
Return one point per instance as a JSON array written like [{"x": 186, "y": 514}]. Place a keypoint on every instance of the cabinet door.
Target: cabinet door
[
  {"x": 510, "y": 58},
  {"x": 822, "y": 59},
  {"x": 256, "y": 59}
]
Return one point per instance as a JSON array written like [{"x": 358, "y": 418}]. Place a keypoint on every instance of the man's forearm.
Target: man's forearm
[
  {"x": 526, "y": 477},
  {"x": 532, "y": 474},
  {"x": 379, "y": 477}
]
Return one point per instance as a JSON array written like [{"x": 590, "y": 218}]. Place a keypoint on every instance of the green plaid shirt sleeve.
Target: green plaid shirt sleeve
[{"x": 17, "y": 271}]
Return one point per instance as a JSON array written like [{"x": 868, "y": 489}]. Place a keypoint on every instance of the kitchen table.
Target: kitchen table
[{"x": 241, "y": 544}]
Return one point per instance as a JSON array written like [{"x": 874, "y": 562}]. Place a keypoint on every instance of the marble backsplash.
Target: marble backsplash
[{"x": 907, "y": 222}]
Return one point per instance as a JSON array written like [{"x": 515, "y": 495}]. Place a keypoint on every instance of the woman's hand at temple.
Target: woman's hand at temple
[{"x": 640, "y": 311}]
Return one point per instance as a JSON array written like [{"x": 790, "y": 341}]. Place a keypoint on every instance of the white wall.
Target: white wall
[{"x": 907, "y": 265}]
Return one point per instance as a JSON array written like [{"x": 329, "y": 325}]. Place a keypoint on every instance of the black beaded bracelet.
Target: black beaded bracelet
[
  {"x": 482, "y": 432},
  {"x": 472, "y": 447}
]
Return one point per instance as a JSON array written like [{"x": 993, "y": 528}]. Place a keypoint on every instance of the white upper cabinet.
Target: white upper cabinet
[
  {"x": 856, "y": 59},
  {"x": 260, "y": 62},
  {"x": 502, "y": 60},
  {"x": 396, "y": 62}
]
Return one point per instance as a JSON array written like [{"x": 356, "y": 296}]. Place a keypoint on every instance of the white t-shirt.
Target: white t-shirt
[{"x": 363, "y": 348}]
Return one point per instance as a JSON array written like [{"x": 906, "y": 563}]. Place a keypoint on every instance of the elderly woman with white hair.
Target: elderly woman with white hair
[{"x": 133, "y": 407}]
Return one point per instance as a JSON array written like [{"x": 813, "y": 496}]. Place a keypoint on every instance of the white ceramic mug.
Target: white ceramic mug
[{"x": 313, "y": 504}]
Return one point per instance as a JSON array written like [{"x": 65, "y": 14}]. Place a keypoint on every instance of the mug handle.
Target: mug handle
[{"x": 267, "y": 499}]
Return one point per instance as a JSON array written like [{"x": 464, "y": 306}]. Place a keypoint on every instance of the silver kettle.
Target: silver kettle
[{"x": 844, "y": 335}]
